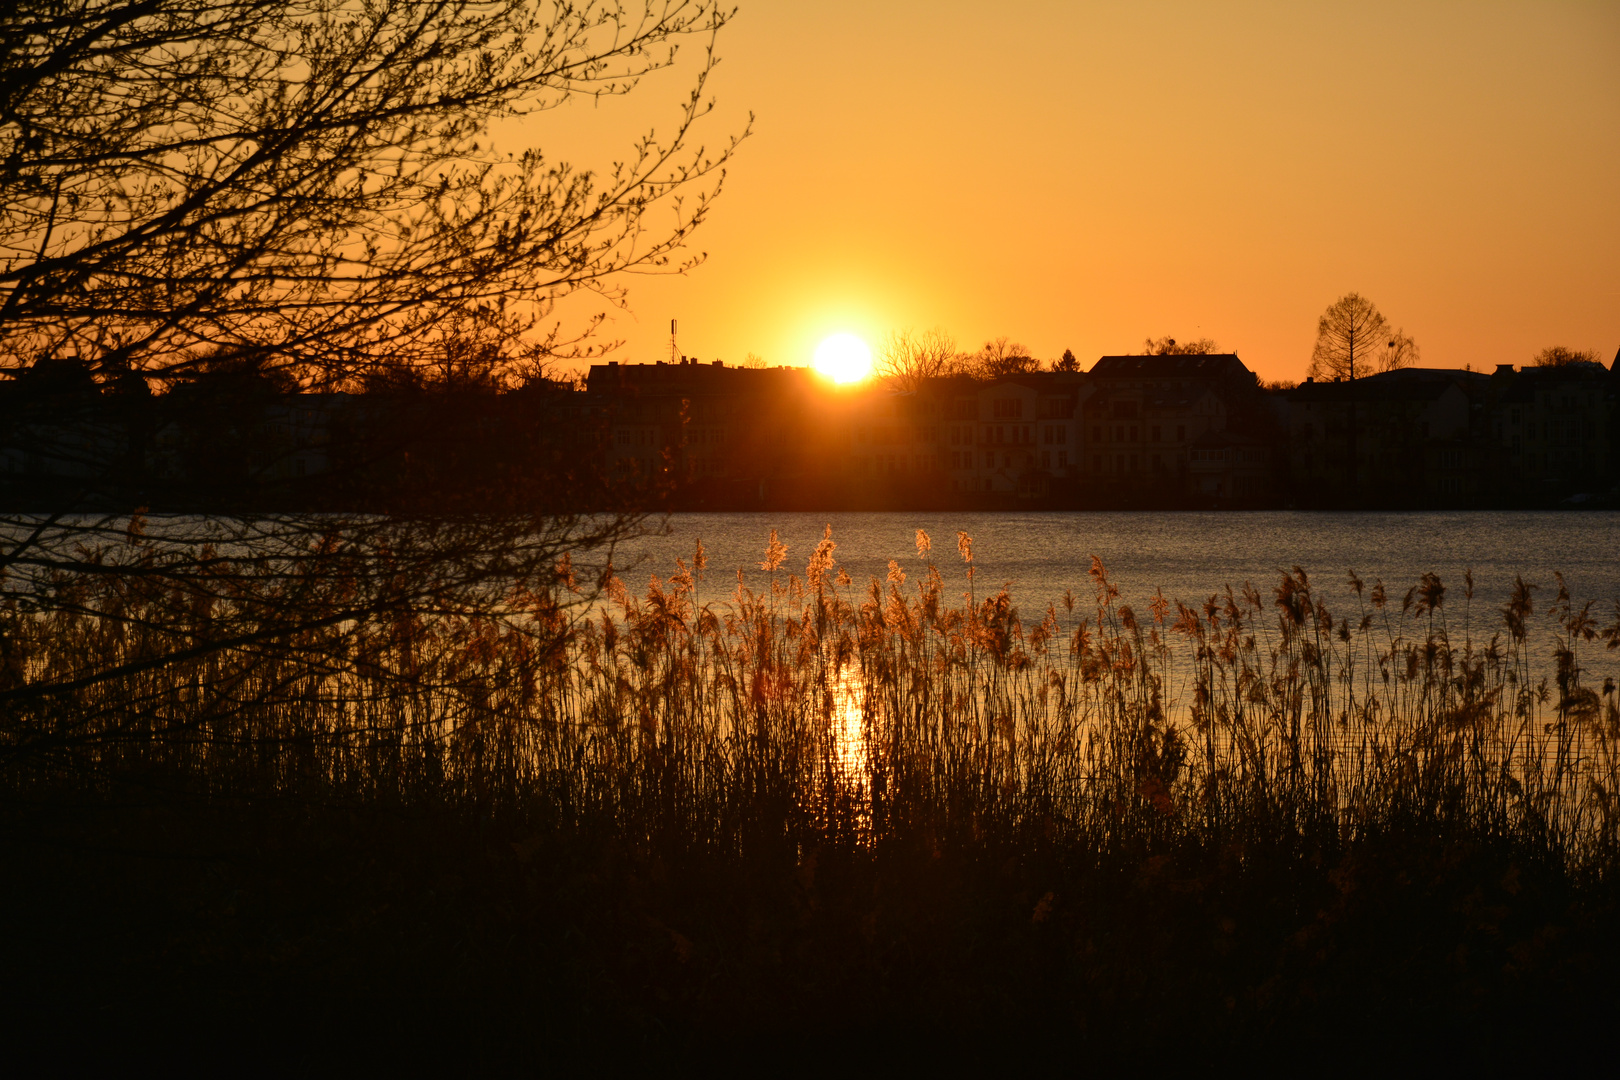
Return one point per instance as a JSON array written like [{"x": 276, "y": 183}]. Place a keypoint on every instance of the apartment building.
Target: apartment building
[
  {"x": 1551, "y": 430},
  {"x": 1169, "y": 425}
]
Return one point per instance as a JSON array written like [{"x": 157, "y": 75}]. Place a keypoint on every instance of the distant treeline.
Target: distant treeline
[{"x": 1172, "y": 430}]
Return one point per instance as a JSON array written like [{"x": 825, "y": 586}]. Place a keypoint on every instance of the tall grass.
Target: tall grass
[{"x": 803, "y": 709}]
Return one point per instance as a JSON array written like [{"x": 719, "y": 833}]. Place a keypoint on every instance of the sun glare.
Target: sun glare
[{"x": 844, "y": 358}]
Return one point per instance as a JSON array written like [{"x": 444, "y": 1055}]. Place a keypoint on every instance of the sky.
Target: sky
[{"x": 1086, "y": 175}]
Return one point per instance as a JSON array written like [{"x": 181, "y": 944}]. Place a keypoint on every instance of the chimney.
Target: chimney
[{"x": 1504, "y": 369}]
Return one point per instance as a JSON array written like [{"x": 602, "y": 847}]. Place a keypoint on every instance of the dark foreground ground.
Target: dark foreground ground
[{"x": 280, "y": 935}]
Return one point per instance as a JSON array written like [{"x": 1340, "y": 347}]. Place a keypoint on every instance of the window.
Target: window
[
  {"x": 1063, "y": 459},
  {"x": 1155, "y": 434},
  {"x": 1181, "y": 433},
  {"x": 1119, "y": 433},
  {"x": 1063, "y": 435},
  {"x": 1046, "y": 459},
  {"x": 1096, "y": 463},
  {"x": 1007, "y": 408},
  {"x": 1096, "y": 434},
  {"x": 1133, "y": 434}
]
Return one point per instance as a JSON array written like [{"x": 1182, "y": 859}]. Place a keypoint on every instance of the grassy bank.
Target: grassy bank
[{"x": 710, "y": 812}]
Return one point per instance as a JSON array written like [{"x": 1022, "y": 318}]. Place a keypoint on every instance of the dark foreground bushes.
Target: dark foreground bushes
[{"x": 820, "y": 819}]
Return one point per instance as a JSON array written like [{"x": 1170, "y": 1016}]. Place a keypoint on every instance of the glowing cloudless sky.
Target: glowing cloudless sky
[{"x": 1085, "y": 175}]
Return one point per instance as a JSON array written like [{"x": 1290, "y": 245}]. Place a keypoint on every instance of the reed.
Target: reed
[
  {"x": 781, "y": 721},
  {"x": 863, "y": 709}
]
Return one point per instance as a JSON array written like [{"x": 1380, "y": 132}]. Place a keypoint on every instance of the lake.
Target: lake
[{"x": 1189, "y": 554}]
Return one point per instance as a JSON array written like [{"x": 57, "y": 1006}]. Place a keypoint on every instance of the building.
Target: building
[
  {"x": 1017, "y": 436},
  {"x": 1551, "y": 430},
  {"x": 1400, "y": 438},
  {"x": 1166, "y": 427}
]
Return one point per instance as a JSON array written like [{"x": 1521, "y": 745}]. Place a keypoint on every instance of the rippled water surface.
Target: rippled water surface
[{"x": 1188, "y": 555}]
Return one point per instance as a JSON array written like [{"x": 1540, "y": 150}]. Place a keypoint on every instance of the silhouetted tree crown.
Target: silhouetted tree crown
[
  {"x": 1559, "y": 356},
  {"x": 267, "y": 195},
  {"x": 312, "y": 181},
  {"x": 1001, "y": 358},
  {"x": 1353, "y": 339},
  {"x": 906, "y": 357},
  {"x": 1169, "y": 346}
]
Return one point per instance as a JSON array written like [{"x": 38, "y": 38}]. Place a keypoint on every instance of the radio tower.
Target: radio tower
[{"x": 674, "y": 351}]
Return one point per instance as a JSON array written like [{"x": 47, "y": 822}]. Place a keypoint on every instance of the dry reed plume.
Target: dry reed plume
[{"x": 811, "y": 710}]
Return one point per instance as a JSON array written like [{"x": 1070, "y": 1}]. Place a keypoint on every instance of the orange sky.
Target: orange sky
[{"x": 1079, "y": 175}]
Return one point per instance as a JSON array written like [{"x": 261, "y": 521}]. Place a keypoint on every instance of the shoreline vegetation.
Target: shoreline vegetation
[{"x": 718, "y": 810}]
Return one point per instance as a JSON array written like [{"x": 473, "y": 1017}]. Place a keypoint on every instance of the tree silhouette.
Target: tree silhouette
[
  {"x": 1560, "y": 356},
  {"x": 1001, "y": 358},
  {"x": 1169, "y": 346},
  {"x": 906, "y": 357},
  {"x": 1353, "y": 339},
  {"x": 264, "y": 195},
  {"x": 312, "y": 181},
  {"x": 1399, "y": 351}
]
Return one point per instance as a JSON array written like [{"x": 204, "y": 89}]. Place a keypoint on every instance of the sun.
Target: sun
[{"x": 844, "y": 358}]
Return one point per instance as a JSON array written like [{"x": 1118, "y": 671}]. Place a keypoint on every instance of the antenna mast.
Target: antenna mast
[{"x": 674, "y": 351}]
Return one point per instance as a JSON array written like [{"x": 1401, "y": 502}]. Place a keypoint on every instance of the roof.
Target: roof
[
  {"x": 1406, "y": 384},
  {"x": 1529, "y": 381},
  {"x": 684, "y": 377},
  {"x": 1171, "y": 366}
]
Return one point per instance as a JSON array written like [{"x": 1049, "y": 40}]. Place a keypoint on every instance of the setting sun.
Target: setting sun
[{"x": 843, "y": 358}]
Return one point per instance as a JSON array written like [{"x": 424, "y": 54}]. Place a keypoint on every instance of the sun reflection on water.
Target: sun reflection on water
[{"x": 848, "y": 728}]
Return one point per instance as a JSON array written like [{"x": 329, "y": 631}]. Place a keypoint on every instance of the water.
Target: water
[{"x": 1189, "y": 555}]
